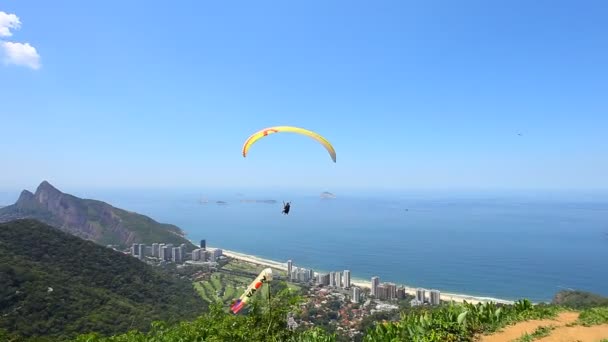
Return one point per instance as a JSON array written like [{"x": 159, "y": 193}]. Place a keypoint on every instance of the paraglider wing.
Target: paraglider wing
[
  {"x": 264, "y": 277},
  {"x": 277, "y": 129}
]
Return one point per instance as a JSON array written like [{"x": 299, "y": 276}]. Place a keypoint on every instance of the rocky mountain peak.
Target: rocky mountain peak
[{"x": 45, "y": 188}]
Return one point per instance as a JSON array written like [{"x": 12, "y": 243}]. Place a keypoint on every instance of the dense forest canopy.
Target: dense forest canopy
[{"x": 55, "y": 284}]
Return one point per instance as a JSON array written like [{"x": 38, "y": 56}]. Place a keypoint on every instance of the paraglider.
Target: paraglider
[
  {"x": 286, "y": 207},
  {"x": 264, "y": 277},
  {"x": 278, "y": 129}
]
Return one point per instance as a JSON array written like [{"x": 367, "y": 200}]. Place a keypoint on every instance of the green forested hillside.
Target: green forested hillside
[
  {"x": 579, "y": 299},
  {"x": 55, "y": 284}
]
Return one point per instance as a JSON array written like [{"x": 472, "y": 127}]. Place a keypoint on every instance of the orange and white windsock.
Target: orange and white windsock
[{"x": 264, "y": 277}]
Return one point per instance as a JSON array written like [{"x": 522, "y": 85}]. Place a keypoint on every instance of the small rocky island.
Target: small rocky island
[{"x": 326, "y": 194}]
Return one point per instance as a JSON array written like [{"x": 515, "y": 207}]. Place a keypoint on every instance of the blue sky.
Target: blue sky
[{"x": 427, "y": 94}]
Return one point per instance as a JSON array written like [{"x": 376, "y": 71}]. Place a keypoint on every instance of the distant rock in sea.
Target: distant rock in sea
[
  {"x": 326, "y": 194},
  {"x": 221, "y": 202},
  {"x": 90, "y": 219},
  {"x": 259, "y": 201}
]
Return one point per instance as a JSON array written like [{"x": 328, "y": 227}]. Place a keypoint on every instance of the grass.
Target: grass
[
  {"x": 540, "y": 332},
  {"x": 594, "y": 316},
  {"x": 230, "y": 286},
  {"x": 239, "y": 265},
  {"x": 201, "y": 291}
]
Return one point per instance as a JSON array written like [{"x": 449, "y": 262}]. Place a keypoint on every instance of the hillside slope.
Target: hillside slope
[
  {"x": 55, "y": 284},
  {"x": 90, "y": 219}
]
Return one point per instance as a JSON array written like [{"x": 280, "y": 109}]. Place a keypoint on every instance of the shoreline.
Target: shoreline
[{"x": 445, "y": 296}]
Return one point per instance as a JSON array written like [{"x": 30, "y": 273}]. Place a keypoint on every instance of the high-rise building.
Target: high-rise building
[
  {"x": 203, "y": 245},
  {"x": 141, "y": 251},
  {"x": 176, "y": 255},
  {"x": 356, "y": 295},
  {"x": 160, "y": 250},
  {"x": 311, "y": 274},
  {"x": 381, "y": 292},
  {"x": 332, "y": 279},
  {"x": 375, "y": 283},
  {"x": 166, "y": 253},
  {"x": 196, "y": 254},
  {"x": 401, "y": 292},
  {"x": 182, "y": 248},
  {"x": 391, "y": 290},
  {"x": 323, "y": 279},
  {"x": 420, "y": 295},
  {"x": 346, "y": 279},
  {"x": 435, "y": 297},
  {"x": 338, "y": 279},
  {"x": 216, "y": 254},
  {"x": 134, "y": 249},
  {"x": 289, "y": 268},
  {"x": 155, "y": 250}
]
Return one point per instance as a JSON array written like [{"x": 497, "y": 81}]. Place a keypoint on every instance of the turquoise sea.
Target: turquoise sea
[{"x": 505, "y": 245}]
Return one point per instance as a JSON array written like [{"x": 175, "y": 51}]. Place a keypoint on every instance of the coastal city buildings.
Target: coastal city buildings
[
  {"x": 155, "y": 250},
  {"x": 166, "y": 252},
  {"x": 176, "y": 254},
  {"x": 375, "y": 283},
  {"x": 332, "y": 279},
  {"x": 203, "y": 245},
  {"x": 289, "y": 268},
  {"x": 420, "y": 295},
  {"x": 323, "y": 279},
  {"x": 199, "y": 254},
  {"x": 391, "y": 291},
  {"x": 356, "y": 298},
  {"x": 401, "y": 292},
  {"x": 138, "y": 250},
  {"x": 215, "y": 255},
  {"x": 346, "y": 279},
  {"x": 435, "y": 297}
]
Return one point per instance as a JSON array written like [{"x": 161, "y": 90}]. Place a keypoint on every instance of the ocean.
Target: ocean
[{"x": 501, "y": 245}]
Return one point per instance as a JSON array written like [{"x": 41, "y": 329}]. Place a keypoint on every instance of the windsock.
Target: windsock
[{"x": 264, "y": 277}]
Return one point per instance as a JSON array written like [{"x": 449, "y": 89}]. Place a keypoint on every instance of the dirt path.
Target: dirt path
[
  {"x": 577, "y": 333},
  {"x": 513, "y": 332}
]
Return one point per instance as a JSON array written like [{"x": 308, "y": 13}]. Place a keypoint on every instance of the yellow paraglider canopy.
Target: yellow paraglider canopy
[{"x": 276, "y": 129}]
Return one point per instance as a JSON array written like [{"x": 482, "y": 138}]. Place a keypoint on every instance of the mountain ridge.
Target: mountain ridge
[{"x": 90, "y": 219}]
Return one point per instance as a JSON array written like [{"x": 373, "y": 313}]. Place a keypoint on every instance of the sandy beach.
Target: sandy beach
[{"x": 445, "y": 296}]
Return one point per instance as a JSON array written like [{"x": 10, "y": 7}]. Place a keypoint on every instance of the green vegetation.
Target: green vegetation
[
  {"x": 579, "y": 299},
  {"x": 257, "y": 323},
  {"x": 224, "y": 288},
  {"x": 540, "y": 332},
  {"x": 593, "y": 316},
  {"x": 230, "y": 282},
  {"x": 450, "y": 322},
  {"x": 457, "y": 322},
  {"x": 243, "y": 266},
  {"x": 55, "y": 285}
]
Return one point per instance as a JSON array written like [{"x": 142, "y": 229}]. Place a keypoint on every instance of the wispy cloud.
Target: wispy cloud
[{"x": 22, "y": 54}]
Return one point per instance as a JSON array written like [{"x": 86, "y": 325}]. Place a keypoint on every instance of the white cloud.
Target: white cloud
[
  {"x": 16, "y": 53},
  {"x": 8, "y": 22},
  {"x": 20, "y": 54}
]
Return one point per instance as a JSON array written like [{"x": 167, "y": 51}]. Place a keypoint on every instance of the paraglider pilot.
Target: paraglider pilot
[{"x": 286, "y": 207}]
